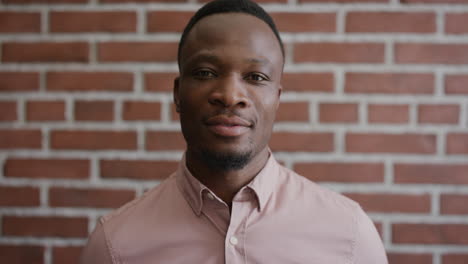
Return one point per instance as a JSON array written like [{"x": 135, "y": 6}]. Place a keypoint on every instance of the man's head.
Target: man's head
[
  {"x": 229, "y": 6},
  {"x": 228, "y": 90}
]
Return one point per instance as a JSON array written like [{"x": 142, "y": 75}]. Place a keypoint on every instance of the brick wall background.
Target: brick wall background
[{"x": 375, "y": 106}]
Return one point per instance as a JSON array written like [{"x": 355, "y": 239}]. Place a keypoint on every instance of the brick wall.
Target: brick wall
[{"x": 375, "y": 106}]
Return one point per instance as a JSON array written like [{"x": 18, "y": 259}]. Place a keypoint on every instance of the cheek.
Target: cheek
[
  {"x": 189, "y": 102},
  {"x": 269, "y": 106},
  {"x": 193, "y": 96},
  {"x": 266, "y": 119}
]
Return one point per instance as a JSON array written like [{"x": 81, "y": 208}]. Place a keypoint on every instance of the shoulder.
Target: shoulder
[
  {"x": 140, "y": 204},
  {"x": 367, "y": 247},
  {"x": 125, "y": 225},
  {"x": 345, "y": 215},
  {"x": 334, "y": 213},
  {"x": 308, "y": 190}
]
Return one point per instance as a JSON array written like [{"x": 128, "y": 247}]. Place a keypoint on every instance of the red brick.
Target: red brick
[
  {"x": 434, "y": 1},
  {"x": 341, "y": 172},
  {"x": 141, "y": 110},
  {"x": 392, "y": 203},
  {"x": 454, "y": 258},
  {"x": 86, "y": 21},
  {"x": 338, "y": 113},
  {"x": 21, "y": 254},
  {"x": 391, "y": 143},
  {"x": 19, "y": 81},
  {"x": 8, "y": 111},
  {"x": 137, "y": 52},
  {"x": 45, "y": 52},
  {"x": 19, "y": 196},
  {"x": 302, "y": 141},
  {"x": 66, "y": 254},
  {"x": 48, "y": 226},
  {"x": 430, "y": 53},
  {"x": 431, "y": 173},
  {"x": 308, "y": 82},
  {"x": 457, "y": 143},
  {"x": 93, "y": 140},
  {"x": 45, "y": 111},
  {"x": 20, "y": 139},
  {"x": 94, "y": 110},
  {"x": 388, "y": 113},
  {"x": 453, "y": 204},
  {"x": 91, "y": 198},
  {"x": 389, "y": 83},
  {"x": 379, "y": 228},
  {"x": 409, "y": 258},
  {"x": 456, "y": 84},
  {"x": 438, "y": 114},
  {"x": 157, "y": 21},
  {"x": 90, "y": 81},
  {"x": 305, "y": 22},
  {"x": 343, "y": 1},
  {"x": 293, "y": 112},
  {"x": 165, "y": 140},
  {"x": 381, "y": 22},
  {"x": 455, "y": 23},
  {"x": 339, "y": 52},
  {"x": 45, "y": 1},
  {"x": 430, "y": 233},
  {"x": 20, "y": 22},
  {"x": 47, "y": 168},
  {"x": 137, "y": 169},
  {"x": 160, "y": 82}
]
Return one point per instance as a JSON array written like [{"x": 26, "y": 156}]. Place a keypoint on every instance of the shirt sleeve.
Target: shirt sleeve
[
  {"x": 96, "y": 250},
  {"x": 368, "y": 248}
]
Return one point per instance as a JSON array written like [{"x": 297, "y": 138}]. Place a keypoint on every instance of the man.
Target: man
[{"x": 230, "y": 201}]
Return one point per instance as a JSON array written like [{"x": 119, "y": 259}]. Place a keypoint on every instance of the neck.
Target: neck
[{"x": 225, "y": 184}]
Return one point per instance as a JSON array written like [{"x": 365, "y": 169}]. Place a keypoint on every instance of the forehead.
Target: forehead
[{"x": 243, "y": 34}]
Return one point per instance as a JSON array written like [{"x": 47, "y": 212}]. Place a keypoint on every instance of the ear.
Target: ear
[
  {"x": 176, "y": 94},
  {"x": 280, "y": 90}
]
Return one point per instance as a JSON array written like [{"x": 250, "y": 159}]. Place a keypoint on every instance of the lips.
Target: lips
[{"x": 228, "y": 126}]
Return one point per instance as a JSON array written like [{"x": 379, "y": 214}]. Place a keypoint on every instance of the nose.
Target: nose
[{"x": 229, "y": 92}]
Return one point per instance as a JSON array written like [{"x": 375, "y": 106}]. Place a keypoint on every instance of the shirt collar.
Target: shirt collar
[
  {"x": 265, "y": 183},
  {"x": 262, "y": 185},
  {"x": 191, "y": 188}
]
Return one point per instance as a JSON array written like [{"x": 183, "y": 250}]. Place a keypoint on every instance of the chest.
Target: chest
[{"x": 246, "y": 236}]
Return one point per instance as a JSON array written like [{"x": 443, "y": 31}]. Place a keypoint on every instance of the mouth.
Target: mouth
[{"x": 228, "y": 126}]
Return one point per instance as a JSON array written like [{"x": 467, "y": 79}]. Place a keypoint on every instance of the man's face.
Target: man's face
[{"x": 229, "y": 86}]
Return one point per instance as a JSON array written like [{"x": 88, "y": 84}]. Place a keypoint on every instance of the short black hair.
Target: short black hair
[{"x": 229, "y": 6}]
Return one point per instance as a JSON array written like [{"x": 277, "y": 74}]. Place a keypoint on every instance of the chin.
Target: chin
[{"x": 226, "y": 160}]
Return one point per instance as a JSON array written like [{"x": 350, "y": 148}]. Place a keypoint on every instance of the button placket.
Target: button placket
[
  {"x": 233, "y": 240},
  {"x": 235, "y": 251}
]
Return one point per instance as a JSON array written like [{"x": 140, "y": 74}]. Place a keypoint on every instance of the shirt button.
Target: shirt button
[
  {"x": 233, "y": 240},
  {"x": 210, "y": 196}
]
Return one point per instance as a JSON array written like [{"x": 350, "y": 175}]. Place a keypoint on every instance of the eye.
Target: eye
[
  {"x": 257, "y": 77},
  {"x": 204, "y": 74}
]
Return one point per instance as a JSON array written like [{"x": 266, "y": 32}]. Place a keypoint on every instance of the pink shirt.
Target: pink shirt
[{"x": 279, "y": 217}]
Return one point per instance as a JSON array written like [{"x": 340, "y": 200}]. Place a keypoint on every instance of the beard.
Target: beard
[{"x": 225, "y": 161}]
